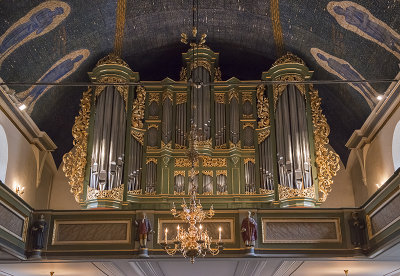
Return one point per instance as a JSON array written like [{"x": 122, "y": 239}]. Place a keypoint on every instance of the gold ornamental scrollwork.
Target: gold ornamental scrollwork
[
  {"x": 152, "y": 125},
  {"x": 166, "y": 146},
  {"x": 148, "y": 160},
  {"x": 217, "y": 74},
  {"x": 279, "y": 88},
  {"x": 247, "y": 160},
  {"x": 75, "y": 160},
  {"x": 185, "y": 162},
  {"x": 288, "y": 58},
  {"x": 287, "y": 192},
  {"x": 112, "y": 59},
  {"x": 203, "y": 143},
  {"x": 183, "y": 173},
  {"x": 262, "y": 107},
  {"x": 263, "y": 134},
  {"x": 122, "y": 89},
  {"x": 178, "y": 146},
  {"x": 138, "y": 108},
  {"x": 114, "y": 194},
  {"x": 221, "y": 172},
  {"x": 327, "y": 160},
  {"x": 194, "y": 173},
  {"x": 209, "y": 173},
  {"x": 266, "y": 191},
  {"x": 214, "y": 161},
  {"x": 183, "y": 74},
  {"x": 201, "y": 63},
  {"x": 167, "y": 94},
  {"x": 181, "y": 98},
  {"x": 248, "y": 125},
  {"x": 138, "y": 134},
  {"x": 154, "y": 97},
  {"x": 219, "y": 98},
  {"x": 247, "y": 96},
  {"x": 233, "y": 94},
  {"x": 135, "y": 192}
]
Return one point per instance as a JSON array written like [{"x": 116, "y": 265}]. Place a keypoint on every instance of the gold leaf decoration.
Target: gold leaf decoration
[
  {"x": 214, "y": 162},
  {"x": 279, "y": 88},
  {"x": 219, "y": 98},
  {"x": 185, "y": 162},
  {"x": 75, "y": 160},
  {"x": 262, "y": 107},
  {"x": 288, "y": 58},
  {"x": 138, "y": 108},
  {"x": 217, "y": 74},
  {"x": 181, "y": 98},
  {"x": 154, "y": 97},
  {"x": 183, "y": 74},
  {"x": 115, "y": 193},
  {"x": 287, "y": 192},
  {"x": 247, "y": 160},
  {"x": 266, "y": 191},
  {"x": 247, "y": 96},
  {"x": 122, "y": 89},
  {"x": 263, "y": 134},
  {"x": 327, "y": 161},
  {"x": 233, "y": 94}
]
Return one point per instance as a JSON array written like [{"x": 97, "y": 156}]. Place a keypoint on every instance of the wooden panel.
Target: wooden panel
[
  {"x": 12, "y": 222},
  {"x": 384, "y": 216},
  {"x": 91, "y": 232},
  {"x": 301, "y": 230}
]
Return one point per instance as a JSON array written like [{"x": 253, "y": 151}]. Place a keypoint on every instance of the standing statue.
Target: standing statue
[
  {"x": 357, "y": 227},
  {"x": 38, "y": 231},
  {"x": 143, "y": 230},
  {"x": 249, "y": 230}
]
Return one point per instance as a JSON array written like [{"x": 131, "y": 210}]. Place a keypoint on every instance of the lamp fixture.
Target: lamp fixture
[
  {"x": 19, "y": 190},
  {"x": 22, "y": 107},
  {"x": 195, "y": 241},
  {"x": 346, "y": 272}
]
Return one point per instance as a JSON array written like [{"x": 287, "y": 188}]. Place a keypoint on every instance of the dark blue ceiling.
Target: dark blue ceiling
[{"x": 240, "y": 30}]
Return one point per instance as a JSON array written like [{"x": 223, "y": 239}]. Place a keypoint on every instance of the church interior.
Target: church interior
[{"x": 195, "y": 137}]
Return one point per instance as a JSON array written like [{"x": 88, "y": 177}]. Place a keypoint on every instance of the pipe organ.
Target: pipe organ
[{"x": 260, "y": 144}]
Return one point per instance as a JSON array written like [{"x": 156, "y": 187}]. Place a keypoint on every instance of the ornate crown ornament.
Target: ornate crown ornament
[
  {"x": 288, "y": 58},
  {"x": 112, "y": 58}
]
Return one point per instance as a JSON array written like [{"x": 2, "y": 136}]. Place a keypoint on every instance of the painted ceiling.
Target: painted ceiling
[{"x": 62, "y": 40}]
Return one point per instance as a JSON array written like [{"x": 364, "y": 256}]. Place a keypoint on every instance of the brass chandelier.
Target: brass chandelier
[{"x": 195, "y": 241}]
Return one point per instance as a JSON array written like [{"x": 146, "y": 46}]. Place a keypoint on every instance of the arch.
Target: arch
[
  {"x": 396, "y": 146},
  {"x": 3, "y": 154}
]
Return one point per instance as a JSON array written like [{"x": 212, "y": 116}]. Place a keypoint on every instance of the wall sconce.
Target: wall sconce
[{"x": 19, "y": 190}]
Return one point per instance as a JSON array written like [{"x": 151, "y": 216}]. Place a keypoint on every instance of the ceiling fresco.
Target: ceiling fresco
[{"x": 60, "y": 41}]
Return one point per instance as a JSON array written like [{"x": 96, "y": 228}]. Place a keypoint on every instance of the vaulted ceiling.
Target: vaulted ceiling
[{"x": 338, "y": 40}]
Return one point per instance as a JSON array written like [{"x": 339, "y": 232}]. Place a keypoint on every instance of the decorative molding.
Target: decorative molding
[
  {"x": 219, "y": 98},
  {"x": 279, "y": 88},
  {"x": 213, "y": 162},
  {"x": 138, "y": 134},
  {"x": 327, "y": 160},
  {"x": 75, "y": 160},
  {"x": 263, "y": 134},
  {"x": 209, "y": 173},
  {"x": 221, "y": 172},
  {"x": 152, "y": 125},
  {"x": 122, "y": 89},
  {"x": 247, "y": 160},
  {"x": 183, "y": 173},
  {"x": 288, "y": 58},
  {"x": 138, "y": 108},
  {"x": 217, "y": 74},
  {"x": 148, "y": 160},
  {"x": 183, "y": 74},
  {"x": 154, "y": 97},
  {"x": 248, "y": 125},
  {"x": 233, "y": 94},
  {"x": 266, "y": 192},
  {"x": 184, "y": 162},
  {"x": 167, "y": 94},
  {"x": 114, "y": 194},
  {"x": 135, "y": 192},
  {"x": 181, "y": 98},
  {"x": 288, "y": 193},
  {"x": 112, "y": 59},
  {"x": 262, "y": 107},
  {"x": 247, "y": 96}
]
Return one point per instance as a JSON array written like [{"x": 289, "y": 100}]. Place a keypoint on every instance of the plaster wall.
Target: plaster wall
[
  {"x": 21, "y": 166},
  {"x": 61, "y": 198}
]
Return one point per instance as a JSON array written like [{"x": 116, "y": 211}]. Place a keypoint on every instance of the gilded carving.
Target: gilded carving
[
  {"x": 185, "y": 162},
  {"x": 327, "y": 160},
  {"x": 248, "y": 125},
  {"x": 152, "y": 125},
  {"x": 287, "y": 192},
  {"x": 219, "y": 98},
  {"x": 178, "y": 146},
  {"x": 150, "y": 193},
  {"x": 179, "y": 193},
  {"x": 167, "y": 94},
  {"x": 217, "y": 74},
  {"x": 154, "y": 97},
  {"x": 247, "y": 160},
  {"x": 181, "y": 98},
  {"x": 279, "y": 88},
  {"x": 223, "y": 146},
  {"x": 247, "y": 96},
  {"x": 288, "y": 58},
  {"x": 209, "y": 173},
  {"x": 221, "y": 172},
  {"x": 179, "y": 173},
  {"x": 214, "y": 161},
  {"x": 112, "y": 59},
  {"x": 233, "y": 145},
  {"x": 183, "y": 74},
  {"x": 138, "y": 135},
  {"x": 203, "y": 63},
  {"x": 138, "y": 108},
  {"x": 166, "y": 146},
  {"x": 135, "y": 192},
  {"x": 203, "y": 143},
  {"x": 263, "y": 134},
  {"x": 122, "y": 89},
  {"x": 115, "y": 193},
  {"x": 119, "y": 27},
  {"x": 233, "y": 94},
  {"x": 195, "y": 173},
  {"x": 148, "y": 160},
  {"x": 75, "y": 160},
  {"x": 262, "y": 108},
  {"x": 266, "y": 191}
]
